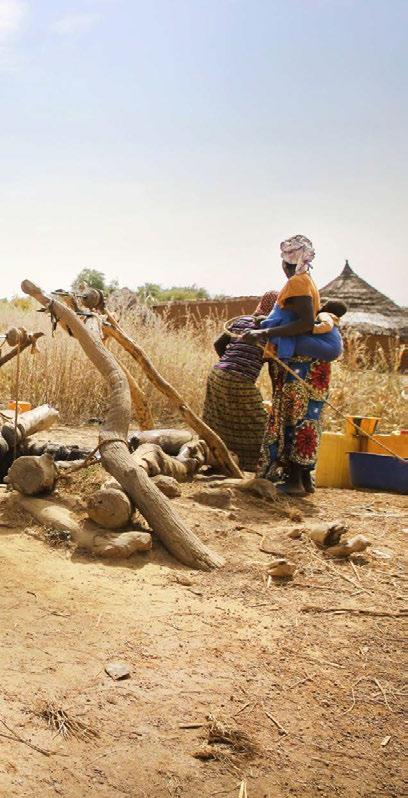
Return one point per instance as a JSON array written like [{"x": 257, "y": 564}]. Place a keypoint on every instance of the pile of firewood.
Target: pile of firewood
[{"x": 143, "y": 479}]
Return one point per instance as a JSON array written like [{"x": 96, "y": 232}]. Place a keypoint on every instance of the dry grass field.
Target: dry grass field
[{"x": 60, "y": 374}]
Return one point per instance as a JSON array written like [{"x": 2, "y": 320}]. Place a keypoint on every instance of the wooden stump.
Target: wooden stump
[
  {"x": 32, "y": 475},
  {"x": 110, "y": 508}
]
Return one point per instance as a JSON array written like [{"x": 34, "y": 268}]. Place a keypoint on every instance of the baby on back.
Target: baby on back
[{"x": 324, "y": 342}]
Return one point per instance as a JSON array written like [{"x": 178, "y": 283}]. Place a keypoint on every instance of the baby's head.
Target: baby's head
[{"x": 334, "y": 306}]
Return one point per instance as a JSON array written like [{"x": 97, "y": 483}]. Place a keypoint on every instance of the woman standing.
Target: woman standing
[
  {"x": 233, "y": 405},
  {"x": 294, "y": 425}
]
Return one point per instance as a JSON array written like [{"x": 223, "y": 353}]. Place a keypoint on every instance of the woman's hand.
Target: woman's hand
[{"x": 252, "y": 337}]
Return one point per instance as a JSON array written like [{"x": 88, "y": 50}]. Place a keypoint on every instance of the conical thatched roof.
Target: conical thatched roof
[
  {"x": 369, "y": 310},
  {"x": 358, "y": 294}
]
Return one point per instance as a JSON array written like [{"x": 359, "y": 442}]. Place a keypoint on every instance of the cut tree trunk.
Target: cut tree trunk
[
  {"x": 217, "y": 446},
  {"x": 170, "y": 440},
  {"x": 32, "y": 475},
  {"x": 85, "y": 534},
  {"x": 59, "y": 452},
  {"x": 155, "y": 461},
  {"x": 37, "y": 420},
  {"x": 116, "y": 458},
  {"x": 110, "y": 508}
]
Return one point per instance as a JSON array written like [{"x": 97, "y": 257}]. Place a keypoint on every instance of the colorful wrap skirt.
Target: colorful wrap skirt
[
  {"x": 294, "y": 426},
  {"x": 233, "y": 409}
]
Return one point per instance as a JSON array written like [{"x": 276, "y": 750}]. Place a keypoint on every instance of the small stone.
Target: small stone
[
  {"x": 295, "y": 533},
  {"x": 168, "y": 485},
  {"x": 281, "y": 568},
  {"x": 183, "y": 579},
  {"x": 117, "y": 670}
]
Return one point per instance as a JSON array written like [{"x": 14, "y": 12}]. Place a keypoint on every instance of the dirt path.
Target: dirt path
[{"x": 226, "y": 644}]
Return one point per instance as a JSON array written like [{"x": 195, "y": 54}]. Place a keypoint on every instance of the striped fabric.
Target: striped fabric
[
  {"x": 233, "y": 408},
  {"x": 245, "y": 359}
]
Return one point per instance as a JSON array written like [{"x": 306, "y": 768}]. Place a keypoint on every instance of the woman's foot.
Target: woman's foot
[
  {"x": 307, "y": 481},
  {"x": 293, "y": 484}
]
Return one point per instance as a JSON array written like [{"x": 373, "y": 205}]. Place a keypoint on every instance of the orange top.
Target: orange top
[{"x": 300, "y": 285}]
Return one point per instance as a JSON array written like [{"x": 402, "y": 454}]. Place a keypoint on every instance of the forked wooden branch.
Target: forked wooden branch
[
  {"x": 31, "y": 341},
  {"x": 217, "y": 446},
  {"x": 116, "y": 458}
]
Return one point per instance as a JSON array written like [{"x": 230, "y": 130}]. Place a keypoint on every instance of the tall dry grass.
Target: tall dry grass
[{"x": 60, "y": 373}]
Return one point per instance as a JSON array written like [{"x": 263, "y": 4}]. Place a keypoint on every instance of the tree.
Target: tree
[
  {"x": 152, "y": 292},
  {"x": 95, "y": 279}
]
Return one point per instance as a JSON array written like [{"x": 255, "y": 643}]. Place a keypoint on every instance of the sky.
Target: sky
[{"x": 180, "y": 141}]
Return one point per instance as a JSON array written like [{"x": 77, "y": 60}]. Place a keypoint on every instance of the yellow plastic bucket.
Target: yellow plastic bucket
[
  {"x": 332, "y": 468},
  {"x": 365, "y": 423}
]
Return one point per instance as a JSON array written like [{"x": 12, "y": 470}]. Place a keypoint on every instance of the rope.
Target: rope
[
  {"x": 90, "y": 459},
  {"x": 326, "y": 401}
]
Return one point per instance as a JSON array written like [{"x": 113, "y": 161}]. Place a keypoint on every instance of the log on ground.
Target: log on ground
[
  {"x": 110, "y": 508},
  {"x": 32, "y": 475},
  {"x": 36, "y": 420},
  {"x": 86, "y": 535}
]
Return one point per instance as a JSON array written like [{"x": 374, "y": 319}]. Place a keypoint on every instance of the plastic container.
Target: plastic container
[
  {"x": 332, "y": 468},
  {"x": 23, "y": 407},
  {"x": 397, "y": 442},
  {"x": 365, "y": 423},
  {"x": 378, "y": 472}
]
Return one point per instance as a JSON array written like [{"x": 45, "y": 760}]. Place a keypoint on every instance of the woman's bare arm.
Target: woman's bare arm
[{"x": 303, "y": 307}]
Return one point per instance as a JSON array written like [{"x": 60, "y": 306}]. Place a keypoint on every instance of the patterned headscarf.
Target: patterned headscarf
[{"x": 298, "y": 251}]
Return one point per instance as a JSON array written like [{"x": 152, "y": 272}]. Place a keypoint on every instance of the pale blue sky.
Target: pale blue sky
[{"x": 180, "y": 141}]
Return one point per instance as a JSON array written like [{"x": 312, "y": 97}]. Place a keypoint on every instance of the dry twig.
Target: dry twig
[
  {"x": 402, "y": 613},
  {"x": 61, "y": 722},
  {"x": 18, "y": 739},
  {"x": 276, "y": 722}
]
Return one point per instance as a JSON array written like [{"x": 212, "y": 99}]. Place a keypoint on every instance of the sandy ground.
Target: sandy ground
[{"x": 321, "y": 696}]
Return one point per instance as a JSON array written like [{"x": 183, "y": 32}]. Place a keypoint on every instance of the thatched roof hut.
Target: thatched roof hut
[{"x": 369, "y": 311}]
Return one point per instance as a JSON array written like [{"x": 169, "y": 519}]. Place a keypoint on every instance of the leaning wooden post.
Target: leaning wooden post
[
  {"x": 116, "y": 458},
  {"x": 216, "y": 445}
]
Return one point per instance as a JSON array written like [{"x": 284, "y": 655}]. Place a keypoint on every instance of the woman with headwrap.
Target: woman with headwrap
[
  {"x": 294, "y": 427},
  {"x": 233, "y": 405}
]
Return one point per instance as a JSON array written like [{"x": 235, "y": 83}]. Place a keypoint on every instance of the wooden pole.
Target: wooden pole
[
  {"x": 115, "y": 455},
  {"x": 217, "y": 446}
]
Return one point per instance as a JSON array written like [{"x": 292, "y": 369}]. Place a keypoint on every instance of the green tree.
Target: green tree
[
  {"x": 152, "y": 292},
  {"x": 92, "y": 277},
  {"x": 95, "y": 279}
]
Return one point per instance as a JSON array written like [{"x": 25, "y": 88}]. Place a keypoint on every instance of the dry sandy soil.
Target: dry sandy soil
[{"x": 320, "y": 696}]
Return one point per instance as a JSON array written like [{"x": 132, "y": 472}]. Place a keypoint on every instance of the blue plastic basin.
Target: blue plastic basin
[{"x": 378, "y": 471}]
